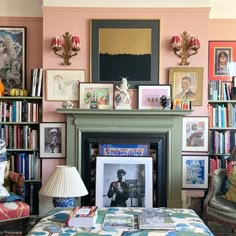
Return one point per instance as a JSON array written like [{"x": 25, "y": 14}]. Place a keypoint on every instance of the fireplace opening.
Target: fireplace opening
[{"x": 158, "y": 150}]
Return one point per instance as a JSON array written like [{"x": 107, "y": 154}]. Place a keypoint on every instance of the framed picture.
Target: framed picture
[
  {"x": 52, "y": 140},
  {"x": 187, "y": 83},
  {"x": 195, "y": 172},
  {"x": 149, "y": 95},
  {"x": 115, "y": 55},
  {"x": 123, "y": 149},
  {"x": 63, "y": 85},
  {"x": 12, "y": 57},
  {"x": 222, "y": 60},
  {"x": 96, "y": 95},
  {"x": 195, "y": 134},
  {"x": 124, "y": 181}
]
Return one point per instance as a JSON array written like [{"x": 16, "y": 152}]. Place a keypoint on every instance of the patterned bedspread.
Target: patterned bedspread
[{"x": 187, "y": 223}]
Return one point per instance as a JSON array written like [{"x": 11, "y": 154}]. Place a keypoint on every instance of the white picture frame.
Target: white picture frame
[
  {"x": 52, "y": 140},
  {"x": 195, "y": 134},
  {"x": 136, "y": 168},
  {"x": 63, "y": 85},
  {"x": 195, "y": 172}
]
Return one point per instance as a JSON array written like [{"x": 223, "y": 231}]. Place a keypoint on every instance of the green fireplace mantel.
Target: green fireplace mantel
[{"x": 133, "y": 121}]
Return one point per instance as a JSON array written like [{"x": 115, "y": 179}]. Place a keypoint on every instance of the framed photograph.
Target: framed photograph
[
  {"x": 12, "y": 57},
  {"x": 195, "y": 172},
  {"x": 115, "y": 55},
  {"x": 122, "y": 182},
  {"x": 100, "y": 95},
  {"x": 187, "y": 83},
  {"x": 149, "y": 95},
  {"x": 123, "y": 149},
  {"x": 63, "y": 85},
  {"x": 52, "y": 140},
  {"x": 195, "y": 134},
  {"x": 222, "y": 60}
]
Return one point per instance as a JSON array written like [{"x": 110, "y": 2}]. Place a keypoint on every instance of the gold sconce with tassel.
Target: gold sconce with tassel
[
  {"x": 71, "y": 47},
  {"x": 184, "y": 47}
]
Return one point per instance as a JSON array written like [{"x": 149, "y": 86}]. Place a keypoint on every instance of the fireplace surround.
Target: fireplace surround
[{"x": 168, "y": 122}]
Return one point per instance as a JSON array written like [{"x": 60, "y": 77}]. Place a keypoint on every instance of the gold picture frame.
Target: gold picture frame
[{"x": 187, "y": 83}]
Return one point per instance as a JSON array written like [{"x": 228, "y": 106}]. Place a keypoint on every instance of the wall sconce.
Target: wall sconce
[
  {"x": 185, "y": 47},
  {"x": 71, "y": 47}
]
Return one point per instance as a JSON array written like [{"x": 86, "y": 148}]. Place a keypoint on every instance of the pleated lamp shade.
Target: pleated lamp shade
[{"x": 64, "y": 182}]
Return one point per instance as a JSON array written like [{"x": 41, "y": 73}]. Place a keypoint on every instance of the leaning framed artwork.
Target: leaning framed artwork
[
  {"x": 187, "y": 83},
  {"x": 125, "y": 49},
  {"x": 13, "y": 57},
  {"x": 100, "y": 95},
  {"x": 195, "y": 172},
  {"x": 195, "y": 134},
  {"x": 117, "y": 178},
  {"x": 52, "y": 140},
  {"x": 63, "y": 85},
  {"x": 221, "y": 60},
  {"x": 149, "y": 95}
]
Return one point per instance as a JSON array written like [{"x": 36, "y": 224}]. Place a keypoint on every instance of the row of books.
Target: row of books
[
  {"x": 27, "y": 164},
  {"x": 19, "y": 111},
  {"x": 221, "y": 115},
  {"x": 150, "y": 218},
  {"x": 218, "y": 162},
  {"x": 19, "y": 136},
  {"x": 36, "y": 82},
  {"x": 219, "y": 90},
  {"x": 221, "y": 142},
  {"x": 31, "y": 196}
]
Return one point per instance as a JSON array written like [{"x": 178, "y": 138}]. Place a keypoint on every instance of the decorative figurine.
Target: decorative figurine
[
  {"x": 123, "y": 100},
  {"x": 67, "y": 104},
  {"x": 165, "y": 102}
]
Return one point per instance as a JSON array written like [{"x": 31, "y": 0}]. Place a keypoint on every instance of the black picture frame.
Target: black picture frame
[
  {"x": 140, "y": 65},
  {"x": 12, "y": 57}
]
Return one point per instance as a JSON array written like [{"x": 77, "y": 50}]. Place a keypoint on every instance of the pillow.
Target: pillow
[
  {"x": 231, "y": 193},
  {"x": 11, "y": 198},
  {"x": 3, "y": 192},
  {"x": 3, "y": 151}
]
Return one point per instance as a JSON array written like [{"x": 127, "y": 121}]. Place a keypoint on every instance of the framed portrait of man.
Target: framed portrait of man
[{"x": 187, "y": 83}]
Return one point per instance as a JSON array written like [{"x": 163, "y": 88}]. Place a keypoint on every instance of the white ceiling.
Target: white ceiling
[{"x": 32, "y": 8}]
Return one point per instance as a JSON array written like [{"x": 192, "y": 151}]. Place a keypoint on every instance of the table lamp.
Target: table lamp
[{"x": 64, "y": 184}]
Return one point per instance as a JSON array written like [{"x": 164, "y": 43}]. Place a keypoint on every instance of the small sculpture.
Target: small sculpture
[
  {"x": 165, "y": 102},
  {"x": 123, "y": 100},
  {"x": 67, "y": 104}
]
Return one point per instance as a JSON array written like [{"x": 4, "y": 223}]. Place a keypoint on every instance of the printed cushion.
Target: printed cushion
[
  {"x": 13, "y": 210},
  {"x": 231, "y": 182},
  {"x": 11, "y": 198}
]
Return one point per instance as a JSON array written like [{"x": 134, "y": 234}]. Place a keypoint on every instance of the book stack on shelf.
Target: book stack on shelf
[{"x": 222, "y": 122}]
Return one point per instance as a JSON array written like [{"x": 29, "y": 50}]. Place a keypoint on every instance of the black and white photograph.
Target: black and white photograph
[
  {"x": 52, "y": 140},
  {"x": 124, "y": 182}
]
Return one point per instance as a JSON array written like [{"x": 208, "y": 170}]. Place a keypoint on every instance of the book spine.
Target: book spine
[{"x": 40, "y": 80}]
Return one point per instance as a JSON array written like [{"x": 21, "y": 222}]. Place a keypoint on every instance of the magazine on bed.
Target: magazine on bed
[
  {"x": 118, "y": 221},
  {"x": 155, "y": 218}
]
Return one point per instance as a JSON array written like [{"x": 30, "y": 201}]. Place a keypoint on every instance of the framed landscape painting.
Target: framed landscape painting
[
  {"x": 124, "y": 181},
  {"x": 125, "y": 49},
  {"x": 12, "y": 57}
]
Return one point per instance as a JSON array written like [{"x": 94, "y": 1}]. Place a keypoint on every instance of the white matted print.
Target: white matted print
[
  {"x": 195, "y": 134},
  {"x": 195, "y": 172},
  {"x": 63, "y": 85},
  {"x": 122, "y": 182},
  {"x": 149, "y": 95},
  {"x": 52, "y": 140}
]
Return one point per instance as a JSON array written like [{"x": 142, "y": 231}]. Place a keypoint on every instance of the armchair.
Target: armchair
[
  {"x": 14, "y": 213},
  {"x": 215, "y": 206}
]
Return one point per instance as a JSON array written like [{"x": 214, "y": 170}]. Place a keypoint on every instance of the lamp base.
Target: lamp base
[{"x": 63, "y": 201}]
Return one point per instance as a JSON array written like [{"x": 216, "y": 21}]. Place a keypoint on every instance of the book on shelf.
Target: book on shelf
[
  {"x": 84, "y": 216},
  {"x": 36, "y": 82},
  {"x": 155, "y": 218},
  {"x": 118, "y": 221}
]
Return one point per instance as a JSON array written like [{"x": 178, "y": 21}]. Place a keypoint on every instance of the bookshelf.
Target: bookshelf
[
  {"x": 19, "y": 127},
  {"x": 222, "y": 123}
]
